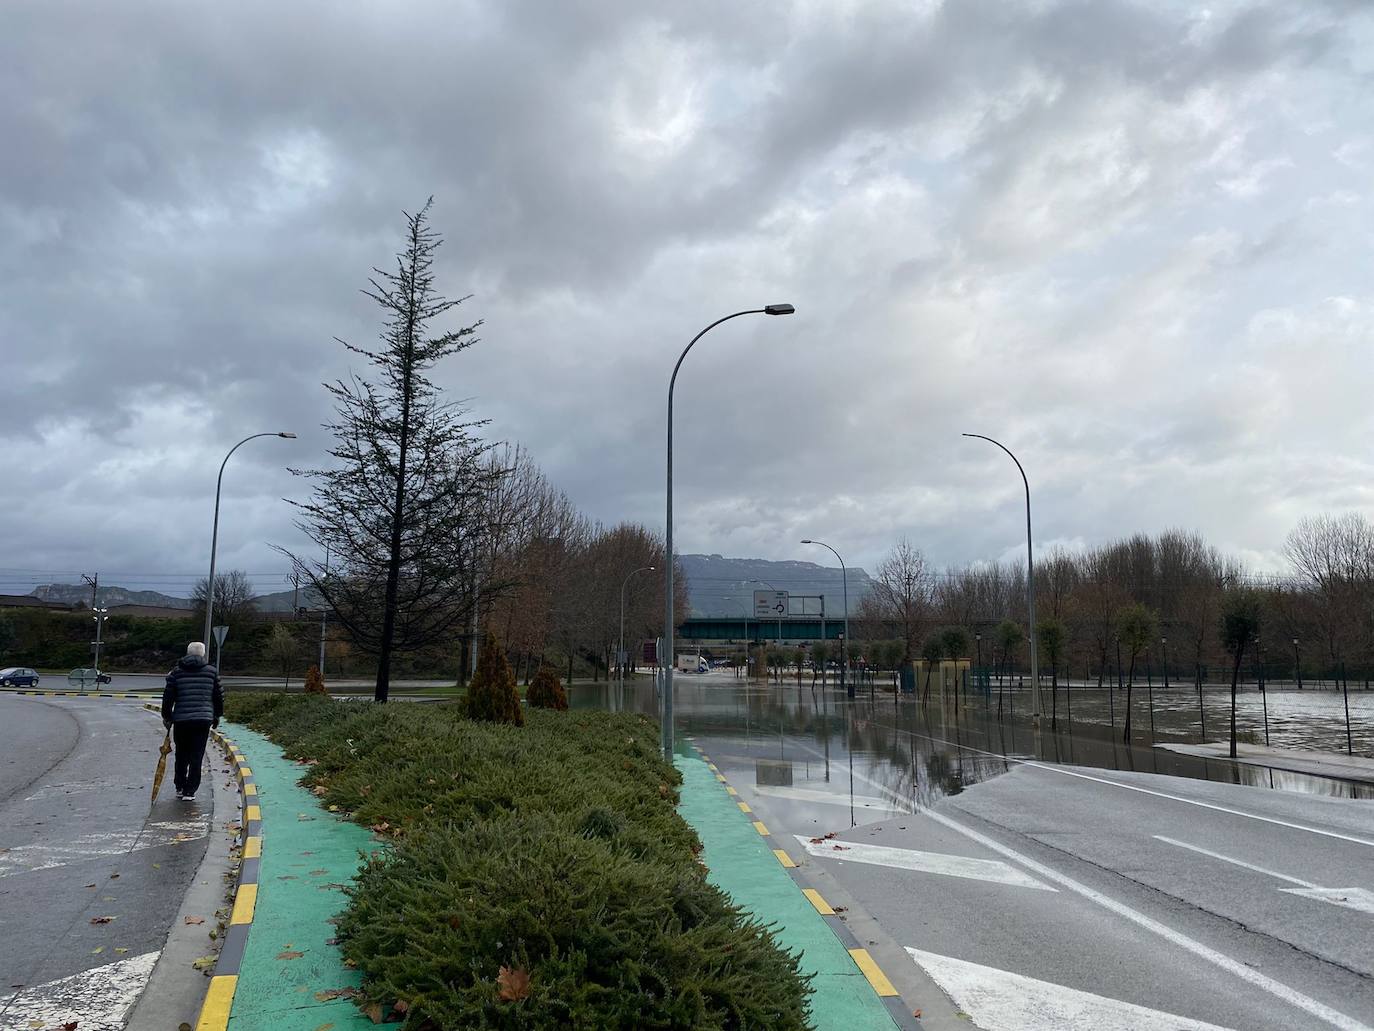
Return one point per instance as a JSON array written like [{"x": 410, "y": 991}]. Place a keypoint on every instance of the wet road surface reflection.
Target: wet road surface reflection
[{"x": 919, "y": 753}]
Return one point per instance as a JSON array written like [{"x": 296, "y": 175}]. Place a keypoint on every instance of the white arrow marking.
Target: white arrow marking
[
  {"x": 826, "y": 797},
  {"x": 999, "y": 1000},
  {"x": 993, "y": 870},
  {"x": 1348, "y": 898},
  {"x": 95, "y": 1000}
]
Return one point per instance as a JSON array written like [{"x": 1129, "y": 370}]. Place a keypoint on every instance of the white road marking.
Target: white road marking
[
  {"x": 998, "y": 1000},
  {"x": 1275, "y": 988},
  {"x": 1236, "y": 862},
  {"x": 95, "y": 1000},
  {"x": 825, "y": 797},
  {"x": 922, "y": 862},
  {"x": 1348, "y": 898},
  {"x": 1281, "y": 991},
  {"x": 46, "y": 856}
]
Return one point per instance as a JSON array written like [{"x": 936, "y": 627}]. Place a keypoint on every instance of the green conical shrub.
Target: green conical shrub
[
  {"x": 492, "y": 696},
  {"x": 546, "y": 691}
]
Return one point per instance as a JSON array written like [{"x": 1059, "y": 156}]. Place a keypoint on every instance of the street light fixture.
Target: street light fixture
[
  {"x": 769, "y": 309},
  {"x": 214, "y": 534},
  {"x": 1030, "y": 580},
  {"x": 844, "y": 650},
  {"x": 620, "y": 655}
]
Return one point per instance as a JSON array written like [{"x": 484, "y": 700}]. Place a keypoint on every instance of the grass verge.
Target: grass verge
[{"x": 534, "y": 877}]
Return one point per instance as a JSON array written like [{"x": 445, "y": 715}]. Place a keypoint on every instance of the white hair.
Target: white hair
[{"x": 196, "y": 648}]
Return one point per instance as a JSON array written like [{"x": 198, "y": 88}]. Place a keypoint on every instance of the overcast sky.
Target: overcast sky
[{"x": 1131, "y": 240}]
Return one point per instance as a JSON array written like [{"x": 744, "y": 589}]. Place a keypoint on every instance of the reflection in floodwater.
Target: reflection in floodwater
[{"x": 922, "y": 753}]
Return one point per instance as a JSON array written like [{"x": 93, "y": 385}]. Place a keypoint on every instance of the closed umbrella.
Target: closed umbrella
[{"x": 161, "y": 764}]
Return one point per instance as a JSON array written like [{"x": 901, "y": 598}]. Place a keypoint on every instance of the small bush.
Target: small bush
[
  {"x": 314, "y": 681},
  {"x": 492, "y": 695},
  {"x": 546, "y": 691}
]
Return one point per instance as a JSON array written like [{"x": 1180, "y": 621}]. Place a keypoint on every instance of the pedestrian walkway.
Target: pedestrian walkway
[
  {"x": 741, "y": 863},
  {"x": 292, "y": 975}
]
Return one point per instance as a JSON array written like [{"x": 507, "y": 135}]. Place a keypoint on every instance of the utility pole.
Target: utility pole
[{"x": 94, "y": 581}]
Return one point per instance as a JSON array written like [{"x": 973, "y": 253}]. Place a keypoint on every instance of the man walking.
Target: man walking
[{"x": 192, "y": 703}]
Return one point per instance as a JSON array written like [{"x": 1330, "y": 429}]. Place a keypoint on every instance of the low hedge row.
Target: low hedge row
[{"x": 536, "y": 877}]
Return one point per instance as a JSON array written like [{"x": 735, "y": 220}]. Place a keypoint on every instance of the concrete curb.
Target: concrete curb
[
  {"x": 873, "y": 974},
  {"x": 76, "y": 694},
  {"x": 219, "y": 999}
]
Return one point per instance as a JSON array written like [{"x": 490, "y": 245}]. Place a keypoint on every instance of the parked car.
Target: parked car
[
  {"x": 18, "y": 676},
  {"x": 83, "y": 677}
]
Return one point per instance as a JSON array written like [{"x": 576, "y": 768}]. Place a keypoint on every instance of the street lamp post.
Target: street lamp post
[
  {"x": 1030, "y": 581},
  {"x": 620, "y": 654},
  {"x": 1165, "y": 642},
  {"x": 844, "y": 650},
  {"x": 214, "y": 534},
  {"x": 1297, "y": 664},
  {"x": 667, "y": 742}
]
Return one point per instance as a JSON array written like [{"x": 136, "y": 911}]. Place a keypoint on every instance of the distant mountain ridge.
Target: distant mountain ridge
[
  {"x": 719, "y": 586},
  {"x": 73, "y": 594},
  {"x": 716, "y": 586}
]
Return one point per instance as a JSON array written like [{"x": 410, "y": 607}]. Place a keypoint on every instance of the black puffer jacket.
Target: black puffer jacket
[{"x": 192, "y": 692}]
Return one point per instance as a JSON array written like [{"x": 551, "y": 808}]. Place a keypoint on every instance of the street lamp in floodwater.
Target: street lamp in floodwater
[{"x": 669, "y": 660}]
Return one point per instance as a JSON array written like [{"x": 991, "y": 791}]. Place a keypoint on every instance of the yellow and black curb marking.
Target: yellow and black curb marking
[
  {"x": 219, "y": 999},
  {"x": 76, "y": 694},
  {"x": 867, "y": 965},
  {"x": 214, "y": 1012}
]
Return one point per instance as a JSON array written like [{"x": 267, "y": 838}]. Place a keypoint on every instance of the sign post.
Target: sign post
[{"x": 220, "y": 632}]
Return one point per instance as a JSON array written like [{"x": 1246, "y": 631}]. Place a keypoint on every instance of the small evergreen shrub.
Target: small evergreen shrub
[
  {"x": 314, "y": 681},
  {"x": 546, "y": 691},
  {"x": 492, "y": 694}
]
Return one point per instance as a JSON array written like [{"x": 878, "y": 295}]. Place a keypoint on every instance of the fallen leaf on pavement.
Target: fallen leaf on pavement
[
  {"x": 97, "y": 950},
  {"x": 101, "y": 919},
  {"x": 373, "y": 1011},
  {"x": 515, "y": 984},
  {"x": 330, "y": 994},
  {"x": 195, "y": 919},
  {"x": 290, "y": 954},
  {"x": 204, "y": 963}
]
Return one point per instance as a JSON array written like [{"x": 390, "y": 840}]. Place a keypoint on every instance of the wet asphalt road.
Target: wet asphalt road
[
  {"x": 78, "y": 845},
  {"x": 1041, "y": 895}
]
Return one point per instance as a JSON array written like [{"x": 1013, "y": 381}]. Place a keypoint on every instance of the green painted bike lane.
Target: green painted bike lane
[
  {"x": 308, "y": 855},
  {"x": 740, "y": 862}
]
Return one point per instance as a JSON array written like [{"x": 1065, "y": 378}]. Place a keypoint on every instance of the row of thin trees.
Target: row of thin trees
[{"x": 1142, "y": 599}]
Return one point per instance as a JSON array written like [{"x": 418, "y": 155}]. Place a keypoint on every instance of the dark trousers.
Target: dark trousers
[{"x": 190, "y": 737}]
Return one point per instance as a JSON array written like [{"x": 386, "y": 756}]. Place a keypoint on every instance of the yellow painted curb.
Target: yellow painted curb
[
  {"x": 758, "y": 826},
  {"x": 251, "y": 812},
  {"x": 873, "y": 972},
  {"x": 743, "y": 806},
  {"x": 784, "y": 859},
  {"x": 252, "y": 847},
  {"x": 814, "y": 897},
  {"x": 214, "y": 1014},
  {"x": 244, "y": 903}
]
